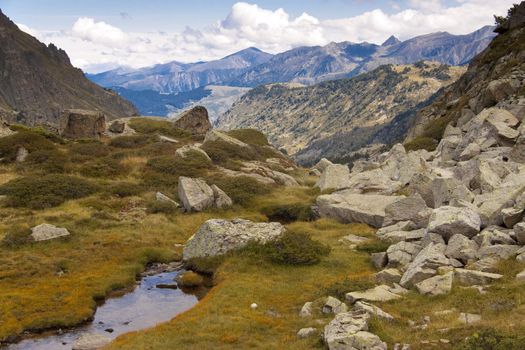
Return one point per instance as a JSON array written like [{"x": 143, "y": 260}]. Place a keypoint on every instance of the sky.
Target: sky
[{"x": 104, "y": 34}]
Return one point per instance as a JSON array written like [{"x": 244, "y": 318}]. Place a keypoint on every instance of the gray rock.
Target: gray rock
[
  {"x": 195, "y": 194},
  {"x": 216, "y": 237},
  {"x": 186, "y": 150},
  {"x": 494, "y": 235},
  {"x": 473, "y": 277},
  {"x": 448, "y": 221},
  {"x": 424, "y": 265},
  {"x": 333, "y": 305},
  {"x": 519, "y": 231},
  {"x": 399, "y": 226},
  {"x": 373, "y": 310},
  {"x": 21, "y": 154},
  {"x": 502, "y": 251},
  {"x": 306, "y": 332},
  {"x": 216, "y": 135},
  {"x": 430, "y": 237},
  {"x": 91, "y": 341},
  {"x": 349, "y": 331},
  {"x": 437, "y": 285},
  {"x": 461, "y": 248},
  {"x": 348, "y": 207},
  {"x": 379, "y": 259},
  {"x": 487, "y": 264},
  {"x": 407, "y": 236},
  {"x": 322, "y": 165},
  {"x": 402, "y": 253},
  {"x": 117, "y": 127},
  {"x": 521, "y": 276},
  {"x": 511, "y": 216},
  {"x": 379, "y": 293},
  {"x": 471, "y": 151},
  {"x": 404, "y": 209},
  {"x": 45, "y": 232},
  {"x": 334, "y": 177},
  {"x": 307, "y": 309},
  {"x": 161, "y": 197},
  {"x": 221, "y": 199},
  {"x": 167, "y": 139},
  {"x": 388, "y": 276}
]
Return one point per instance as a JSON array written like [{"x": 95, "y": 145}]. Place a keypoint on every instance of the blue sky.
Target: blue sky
[{"x": 103, "y": 34}]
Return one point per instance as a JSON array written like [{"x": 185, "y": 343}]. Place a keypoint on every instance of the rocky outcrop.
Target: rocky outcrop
[
  {"x": 334, "y": 177},
  {"x": 78, "y": 124},
  {"x": 195, "y": 121},
  {"x": 216, "y": 237},
  {"x": 197, "y": 195},
  {"x": 45, "y": 232}
]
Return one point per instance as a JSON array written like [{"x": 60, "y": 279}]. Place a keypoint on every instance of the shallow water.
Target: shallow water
[{"x": 142, "y": 308}]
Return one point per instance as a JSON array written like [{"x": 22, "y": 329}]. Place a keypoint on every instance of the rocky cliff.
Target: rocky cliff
[
  {"x": 336, "y": 117},
  {"x": 38, "y": 82},
  {"x": 495, "y": 78}
]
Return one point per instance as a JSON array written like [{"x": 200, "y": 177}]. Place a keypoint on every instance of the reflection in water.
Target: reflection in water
[{"x": 145, "y": 307}]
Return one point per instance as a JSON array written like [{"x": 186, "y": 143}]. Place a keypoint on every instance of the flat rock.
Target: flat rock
[
  {"x": 348, "y": 207},
  {"x": 216, "y": 237},
  {"x": 473, "y": 277},
  {"x": 45, "y": 232},
  {"x": 373, "y": 310},
  {"x": 437, "y": 285},
  {"x": 377, "y": 294}
]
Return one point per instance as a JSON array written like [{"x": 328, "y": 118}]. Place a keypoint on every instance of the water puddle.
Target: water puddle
[{"x": 142, "y": 308}]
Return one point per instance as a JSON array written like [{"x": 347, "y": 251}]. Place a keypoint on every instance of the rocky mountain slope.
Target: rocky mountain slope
[
  {"x": 495, "y": 78},
  {"x": 309, "y": 65},
  {"x": 336, "y": 117},
  {"x": 38, "y": 82},
  {"x": 175, "y": 77}
]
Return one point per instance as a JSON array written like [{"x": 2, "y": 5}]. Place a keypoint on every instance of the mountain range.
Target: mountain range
[{"x": 38, "y": 82}]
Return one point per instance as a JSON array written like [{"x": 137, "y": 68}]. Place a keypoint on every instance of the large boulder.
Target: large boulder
[
  {"x": 448, "y": 221},
  {"x": 45, "y": 232},
  {"x": 216, "y": 237},
  {"x": 195, "y": 194},
  {"x": 404, "y": 209},
  {"x": 322, "y": 165},
  {"x": 79, "y": 123},
  {"x": 195, "y": 121},
  {"x": 334, "y": 177},
  {"x": 425, "y": 265},
  {"x": 348, "y": 207},
  {"x": 461, "y": 248},
  {"x": 349, "y": 331}
]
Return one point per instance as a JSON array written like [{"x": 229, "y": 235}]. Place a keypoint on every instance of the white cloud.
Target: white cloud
[{"x": 94, "y": 45}]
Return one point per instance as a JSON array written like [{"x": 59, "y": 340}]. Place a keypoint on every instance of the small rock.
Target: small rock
[
  {"x": 46, "y": 232},
  {"x": 253, "y": 306},
  {"x": 521, "y": 276},
  {"x": 306, "y": 310},
  {"x": 379, "y": 260},
  {"x": 469, "y": 318},
  {"x": 437, "y": 285},
  {"x": 306, "y": 332},
  {"x": 333, "y": 305},
  {"x": 472, "y": 277},
  {"x": 91, "y": 341},
  {"x": 21, "y": 154},
  {"x": 161, "y": 197}
]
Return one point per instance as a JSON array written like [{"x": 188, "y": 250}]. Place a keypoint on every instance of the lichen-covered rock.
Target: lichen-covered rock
[
  {"x": 216, "y": 135},
  {"x": 195, "y": 121},
  {"x": 45, "y": 232},
  {"x": 187, "y": 149},
  {"x": 348, "y": 207},
  {"x": 216, "y": 237},
  {"x": 402, "y": 253},
  {"x": 425, "y": 265},
  {"x": 404, "y": 209},
  {"x": 380, "y": 293},
  {"x": 322, "y": 165},
  {"x": 334, "y": 305},
  {"x": 473, "y": 277},
  {"x": 437, "y": 285},
  {"x": 221, "y": 199},
  {"x": 461, "y": 248}
]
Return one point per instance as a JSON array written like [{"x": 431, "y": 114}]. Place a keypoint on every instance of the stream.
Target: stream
[{"x": 142, "y": 308}]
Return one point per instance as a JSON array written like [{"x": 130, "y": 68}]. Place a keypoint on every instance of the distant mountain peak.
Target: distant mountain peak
[{"x": 391, "y": 41}]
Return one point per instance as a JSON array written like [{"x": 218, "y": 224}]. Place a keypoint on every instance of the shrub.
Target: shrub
[
  {"x": 46, "y": 161},
  {"x": 50, "y": 135},
  {"x": 241, "y": 189},
  {"x": 106, "y": 167},
  {"x": 296, "y": 249},
  {"x": 157, "y": 127},
  {"x": 125, "y": 189},
  {"x": 31, "y": 141},
  {"x": 45, "y": 192},
  {"x": 17, "y": 236},
  {"x": 373, "y": 247},
  {"x": 421, "y": 142},
  {"x": 223, "y": 152},
  {"x": 87, "y": 150},
  {"x": 249, "y": 136},
  {"x": 491, "y": 339},
  {"x": 163, "y": 207},
  {"x": 194, "y": 164},
  {"x": 286, "y": 213},
  {"x": 132, "y": 141},
  {"x": 340, "y": 288}
]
